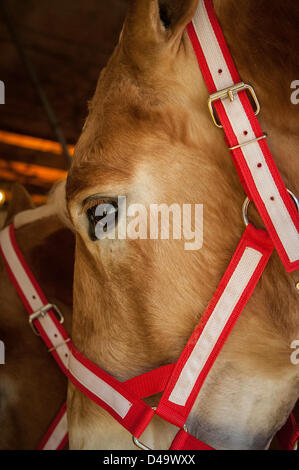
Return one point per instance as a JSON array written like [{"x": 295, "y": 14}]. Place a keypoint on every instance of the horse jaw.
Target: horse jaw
[{"x": 240, "y": 409}]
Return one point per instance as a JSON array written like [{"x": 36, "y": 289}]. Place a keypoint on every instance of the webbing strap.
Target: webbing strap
[
  {"x": 254, "y": 162},
  {"x": 184, "y": 441},
  {"x": 131, "y": 412},
  {"x": 30, "y": 293},
  {"x": 57, "y": 435},
  {"x": 288, "y": 436},
  {"x": 201, "y": 351}
]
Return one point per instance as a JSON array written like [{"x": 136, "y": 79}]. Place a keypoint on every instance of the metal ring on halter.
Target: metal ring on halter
[
  {"x": 247, "y": 202},
  {"x": 142, "y": 446}
]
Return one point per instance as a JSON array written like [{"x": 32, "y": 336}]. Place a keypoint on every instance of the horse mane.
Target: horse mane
[
  {"x": 57, "y": 199},
  {"x": 56, "y": 205}
]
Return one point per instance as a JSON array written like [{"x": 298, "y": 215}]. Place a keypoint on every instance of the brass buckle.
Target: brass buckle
[
  {"x": 296, "y": 445},
  {"x": 42, "y": 313},
  {"x": 142, "y": 446},
  {"x": 230, "y": 93}
]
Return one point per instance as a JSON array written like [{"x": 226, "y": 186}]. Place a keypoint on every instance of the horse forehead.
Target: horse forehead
[
  {"x": 114, "y": 131},
  {"x": 114, "y": 158}
]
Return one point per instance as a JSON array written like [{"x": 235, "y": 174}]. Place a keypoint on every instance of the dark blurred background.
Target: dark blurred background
[{"x": 63, "y": 44}]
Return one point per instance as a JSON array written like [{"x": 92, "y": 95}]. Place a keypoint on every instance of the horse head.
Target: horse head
[{"x": 149, "y": 138}]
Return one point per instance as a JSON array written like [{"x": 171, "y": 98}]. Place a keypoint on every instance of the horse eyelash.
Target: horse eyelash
[{"x": 93, "y": 203}]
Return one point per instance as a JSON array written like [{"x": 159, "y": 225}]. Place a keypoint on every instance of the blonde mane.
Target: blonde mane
[{"x": 56, "y": 205}]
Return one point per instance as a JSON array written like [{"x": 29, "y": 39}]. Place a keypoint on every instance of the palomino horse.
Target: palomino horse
[
  {"x": 149, "y": 137},
  {"x": 32, "y": 388}
]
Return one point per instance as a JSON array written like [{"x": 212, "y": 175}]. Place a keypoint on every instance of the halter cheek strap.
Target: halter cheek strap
[
  {"x": 45, "y": 324},
  {"x": 231, "y": 109},
  {"x": 56, "y": 437},
  {"x": 201, "y": 351}
]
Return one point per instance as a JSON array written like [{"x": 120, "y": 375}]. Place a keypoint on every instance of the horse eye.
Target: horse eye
[{"x": 101, "y": 217}]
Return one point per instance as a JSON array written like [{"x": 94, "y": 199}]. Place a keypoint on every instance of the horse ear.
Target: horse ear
[
  {"x": 152, "y": 24},
  {"x": 143, "y": 31},
  {"x": 179, "y": 14},
  {"x": 20, "y": 201}
]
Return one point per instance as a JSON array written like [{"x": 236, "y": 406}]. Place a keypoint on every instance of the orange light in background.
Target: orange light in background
[
  {"x": 27, "y": 173},
  {"x": 2, "y": 197},
  {"x": 38, "y": 199},
  {"x": 32, "y": 143}
]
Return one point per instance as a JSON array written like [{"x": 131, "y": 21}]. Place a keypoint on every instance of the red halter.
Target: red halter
[{"x": 182, "y": 382}]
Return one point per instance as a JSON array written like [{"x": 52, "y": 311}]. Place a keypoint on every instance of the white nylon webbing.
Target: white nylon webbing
[
  {"x": 211, "y": 49},
  {"x": 239, "y": 121},
  {"x": 86, "y": 377},
  {"x": 19, "y": 272},
  {"x": 99, "y": 388},
  {"x": 58, "y": 434},
  {"x": 32, "y": 296},
  {"x": 215, "y": 325}
]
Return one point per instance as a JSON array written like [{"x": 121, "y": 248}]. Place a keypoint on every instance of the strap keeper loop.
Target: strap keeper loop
[
  {"x": 59, "y": 345},
  {"x": 248, "y": 142}
]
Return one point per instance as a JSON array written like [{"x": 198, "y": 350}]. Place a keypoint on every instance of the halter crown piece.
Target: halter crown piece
[{"x": 181, "y": 382}]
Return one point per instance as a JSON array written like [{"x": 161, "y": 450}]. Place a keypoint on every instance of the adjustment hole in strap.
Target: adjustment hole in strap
[{"x": 247, "y": 202}]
